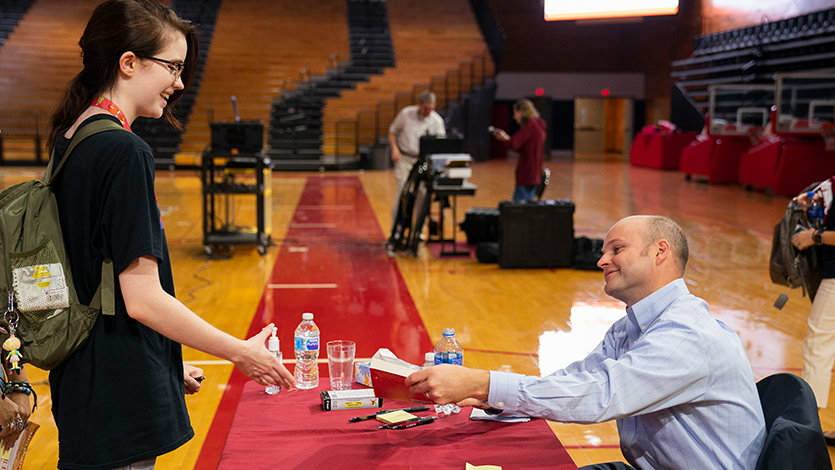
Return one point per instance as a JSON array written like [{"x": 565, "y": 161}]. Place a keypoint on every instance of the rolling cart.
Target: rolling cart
[{"x": 226, "y": 177}]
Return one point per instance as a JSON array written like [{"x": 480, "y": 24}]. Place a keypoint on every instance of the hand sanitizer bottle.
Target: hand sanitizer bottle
[{"x": 273, "y": 346}]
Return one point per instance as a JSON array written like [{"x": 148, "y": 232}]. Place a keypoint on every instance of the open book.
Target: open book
[{"x": 388, "y": 376}]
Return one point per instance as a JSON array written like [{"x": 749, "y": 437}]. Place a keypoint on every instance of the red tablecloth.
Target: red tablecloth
[{"x": 290, "y": 430}]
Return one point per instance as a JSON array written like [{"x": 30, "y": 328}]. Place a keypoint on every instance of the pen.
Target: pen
[
  {"x": 363, "y": 418},
  {"x": 413, "y": 423},
  {"x": 200, "y": 379}
]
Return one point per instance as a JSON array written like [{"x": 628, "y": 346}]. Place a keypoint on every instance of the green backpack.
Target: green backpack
[{"x": 43, "y": 310}]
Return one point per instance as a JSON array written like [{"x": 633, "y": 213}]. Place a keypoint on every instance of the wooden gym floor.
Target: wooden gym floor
[{"x": 329, "y": 232}]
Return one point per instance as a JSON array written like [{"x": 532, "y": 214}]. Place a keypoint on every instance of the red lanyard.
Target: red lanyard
[{"x": 107, "y": 105}]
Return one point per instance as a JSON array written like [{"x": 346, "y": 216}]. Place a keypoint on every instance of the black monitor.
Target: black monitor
[
  {"x": 431, "y": 145},
  {"x": 239, "y": 137}
]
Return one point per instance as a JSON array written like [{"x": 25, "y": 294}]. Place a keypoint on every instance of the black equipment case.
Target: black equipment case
[
  {"x": 481, "y": 224},
  {"x": 536, "y": 234}
]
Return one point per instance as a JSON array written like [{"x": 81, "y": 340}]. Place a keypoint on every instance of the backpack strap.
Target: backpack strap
[
  {"x": 104, "y": 298},
  {"x": 80, "y": 134}
]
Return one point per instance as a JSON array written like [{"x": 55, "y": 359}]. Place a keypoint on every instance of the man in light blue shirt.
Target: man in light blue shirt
[{"x": 677, "y": 381}]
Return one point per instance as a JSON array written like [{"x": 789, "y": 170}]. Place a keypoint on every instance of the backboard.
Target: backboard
[
  {"x": 739, "y": 109},
  {"x": 804, "y": 101}
]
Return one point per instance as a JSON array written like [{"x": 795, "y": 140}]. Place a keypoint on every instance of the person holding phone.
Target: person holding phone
[{"x": 529, "y": 141}]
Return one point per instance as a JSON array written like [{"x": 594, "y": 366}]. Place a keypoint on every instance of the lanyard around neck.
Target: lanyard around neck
[{"x": 107, "y": 105}]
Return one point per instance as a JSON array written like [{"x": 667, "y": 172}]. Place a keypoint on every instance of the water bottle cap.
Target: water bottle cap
[
  {"x": 307, "y": 316},
  {"x": 449, "y": 331},
  {"x": 430, "y": 356}
]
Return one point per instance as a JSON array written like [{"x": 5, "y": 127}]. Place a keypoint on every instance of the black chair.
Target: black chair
[{"x": 794, "y": 439}]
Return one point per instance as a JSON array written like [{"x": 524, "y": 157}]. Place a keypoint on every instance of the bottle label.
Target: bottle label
[
  {"x": 449, "y": 358},
  {"x": 307, "y": 344}
]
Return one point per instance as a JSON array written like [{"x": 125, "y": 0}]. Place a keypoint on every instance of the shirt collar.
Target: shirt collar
[{"x": 647, "y": 310}]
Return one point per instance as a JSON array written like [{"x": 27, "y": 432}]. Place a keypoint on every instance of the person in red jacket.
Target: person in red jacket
[{"x": 529, "y": 141}]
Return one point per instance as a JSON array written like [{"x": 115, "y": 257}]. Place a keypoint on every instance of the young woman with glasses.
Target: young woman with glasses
[{"x": 118, "y": 401}]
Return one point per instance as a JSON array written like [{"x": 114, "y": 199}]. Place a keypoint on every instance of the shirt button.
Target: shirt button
[{"x": 501, "y": 404}]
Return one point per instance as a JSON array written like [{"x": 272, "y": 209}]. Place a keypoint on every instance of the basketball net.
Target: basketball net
[{"x": 828, "y": 133}]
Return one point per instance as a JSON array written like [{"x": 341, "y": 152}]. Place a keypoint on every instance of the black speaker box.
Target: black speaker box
[
  {"x": 536, "y": 234},
  {"x": 239, "y": 137}
]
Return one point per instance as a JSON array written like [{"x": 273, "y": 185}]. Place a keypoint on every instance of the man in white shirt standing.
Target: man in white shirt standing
[
  {"x": 410, "y": 124},
  {"x": 676, "y": 380}
]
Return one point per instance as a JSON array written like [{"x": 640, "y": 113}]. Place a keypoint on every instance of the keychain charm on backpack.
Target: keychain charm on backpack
[{"x": 12, "y": 344}]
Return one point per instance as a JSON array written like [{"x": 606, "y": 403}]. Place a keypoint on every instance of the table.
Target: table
[
  {"x": 290, "y": 431},
  {"x": 440, "y": 191}
]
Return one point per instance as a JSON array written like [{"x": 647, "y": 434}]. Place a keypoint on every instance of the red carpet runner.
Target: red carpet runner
[{"x": 333, "y": 264}]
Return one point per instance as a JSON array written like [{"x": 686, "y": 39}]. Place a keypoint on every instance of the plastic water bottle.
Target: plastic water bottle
[
  {"x": 448, "y": 351},
  {"x": 273, "y": 346},
  {"x": 428, "y": 360},
  {"x": 307, "y": 353},
  {"x": 814, "y": 211}
]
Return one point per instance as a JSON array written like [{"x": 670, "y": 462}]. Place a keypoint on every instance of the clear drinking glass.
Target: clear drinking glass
[{"x": 341, "y": 363}]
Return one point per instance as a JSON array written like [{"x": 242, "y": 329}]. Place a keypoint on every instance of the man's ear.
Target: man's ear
[
  {"x": 662, "y": 250},
  {"x": 128, "y": 63}
]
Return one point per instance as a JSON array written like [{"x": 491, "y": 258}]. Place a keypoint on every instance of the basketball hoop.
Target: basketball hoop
[
  {"x": 754, "y": 133},
  {"x": 828, "y": 133}
]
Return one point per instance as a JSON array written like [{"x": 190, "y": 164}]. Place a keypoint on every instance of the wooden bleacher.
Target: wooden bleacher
[
  {"x": 429, "y": 37},
  {"x": 11, "y": 12},
  {"x": 257, "y": 46},
  {"x": 37, "y": 61}
]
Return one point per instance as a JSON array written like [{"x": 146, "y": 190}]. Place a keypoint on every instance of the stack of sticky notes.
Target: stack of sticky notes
[{"x": 395, "y": 417}]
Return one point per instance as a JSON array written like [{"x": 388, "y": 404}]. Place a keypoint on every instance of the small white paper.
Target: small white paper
[
  {"x": 480, "y": 415},
  {"x": 470, "y": 466}
]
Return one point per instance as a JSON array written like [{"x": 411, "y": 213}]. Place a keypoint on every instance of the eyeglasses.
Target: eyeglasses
[{"x": 176, "y": 68}]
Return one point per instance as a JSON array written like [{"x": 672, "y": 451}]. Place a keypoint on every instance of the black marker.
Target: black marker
[
  {"x": 413, "y": 423},
  {"x": 389, "y": 426}
]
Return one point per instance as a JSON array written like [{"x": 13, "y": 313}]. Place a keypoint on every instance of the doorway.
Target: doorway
[{"x": 602, "y": 128}]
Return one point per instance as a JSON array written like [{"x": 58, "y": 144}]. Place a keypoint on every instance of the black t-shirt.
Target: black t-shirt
[{"x": 120, "y": 398}]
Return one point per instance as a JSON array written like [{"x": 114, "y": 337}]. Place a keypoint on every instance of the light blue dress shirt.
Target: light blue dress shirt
[{"x": 677, "y": 381}]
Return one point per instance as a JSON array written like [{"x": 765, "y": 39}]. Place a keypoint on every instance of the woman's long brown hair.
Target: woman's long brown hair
[{"x": 143, "y": 27}]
